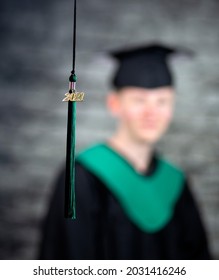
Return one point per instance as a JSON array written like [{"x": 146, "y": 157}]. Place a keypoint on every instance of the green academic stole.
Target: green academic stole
[{"x": 147, "y": 200}]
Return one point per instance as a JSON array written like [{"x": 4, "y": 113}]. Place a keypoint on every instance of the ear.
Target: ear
[{"x": 113, "y": 103}]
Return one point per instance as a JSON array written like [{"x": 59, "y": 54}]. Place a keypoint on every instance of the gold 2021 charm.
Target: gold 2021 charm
[{"x": 74, "y": 96}]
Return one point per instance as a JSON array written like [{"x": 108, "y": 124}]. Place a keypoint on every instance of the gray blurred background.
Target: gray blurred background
[{"x": 35, "y": 63}]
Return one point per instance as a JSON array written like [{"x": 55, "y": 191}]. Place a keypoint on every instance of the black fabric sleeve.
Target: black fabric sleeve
[
  {"x": 193, "y": 235},
  {"x": 74, "y": 239}
]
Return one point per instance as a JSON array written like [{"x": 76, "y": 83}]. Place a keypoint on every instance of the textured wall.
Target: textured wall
[{"x": 35, "y": 55}]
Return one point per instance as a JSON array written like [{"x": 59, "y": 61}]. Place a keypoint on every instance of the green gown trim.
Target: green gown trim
[{"x": 148, "y": 201}]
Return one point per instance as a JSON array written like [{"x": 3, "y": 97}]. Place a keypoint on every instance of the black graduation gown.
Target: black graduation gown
[{"x": 103, "y": 231}]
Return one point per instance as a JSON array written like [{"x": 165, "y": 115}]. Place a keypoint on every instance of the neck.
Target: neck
[{"x": 136, "y": 152}]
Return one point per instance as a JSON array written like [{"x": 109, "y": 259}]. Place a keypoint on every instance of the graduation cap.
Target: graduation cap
[{"x": 145, "y": 66}]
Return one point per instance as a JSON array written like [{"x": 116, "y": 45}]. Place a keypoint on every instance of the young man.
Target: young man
[{"x": 130, "y": 202}]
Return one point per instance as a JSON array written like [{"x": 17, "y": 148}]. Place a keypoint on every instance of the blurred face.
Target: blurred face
[{"x": 144, "y": 114}]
